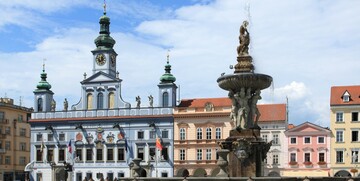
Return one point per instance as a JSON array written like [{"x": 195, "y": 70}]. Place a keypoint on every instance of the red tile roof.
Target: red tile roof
[
  {"x": 337, "y": 92},
  {"x": 290, "y": 126},
  {"x": 269, "y": 112}
]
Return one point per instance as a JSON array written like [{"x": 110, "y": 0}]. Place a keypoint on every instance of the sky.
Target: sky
[{"x": 307, "y": 46}]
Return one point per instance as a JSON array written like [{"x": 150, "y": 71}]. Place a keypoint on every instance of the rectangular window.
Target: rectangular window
[
  {"x": 7, "y": 145},
  {"x": 354, "y": 156},
  {"x": 110, "y": 176},
  {"x": 276, "y": 139},
  {"x": 208, "y": 133},
  {"x": 275, "y": 159},
  {"x": 7, "y": 160},
  {"x": 164, "y": 154},
  {"x": 110, "y": 154},
  {"x": 79, "y": 154},
  {"x": 265, "y": 138},
  {"x": 355, "y": 136},
  {"x": 89, "y": 156},
  {"x": 164, "y": 174},
  {"x": 199, "y": 154},
  {"x": 140, "y": 134},
  {"x": 22, "y": 132},
  {"x": 140, "y": 153},
  {"x": 354, "y": 116},
  {"x": 1, "y": 159},
  {"x": 121, "y": 174},
  {"x": 165, "y": 134},
  {"x": 321, "y": 157},
  {"x": 89, "y": 175},
  {"x": 22, "y": 146},
  {"x": 339, "y": 117},
  {"x": 20, "y": 118},
  {"x": 61, "y": 154},
  {"x": 99, "y": 154},
  {"x": 79, "y": 176},
  {"x": 50, "y": 155},
  {"x": 152, "y": 153},
  {"x": 293, "y": 157},
  {"x": 321, "y": 139},
  {"x": 182, "y": 154},
  {"x": 199, "y": 133},
  {"x": 121, "y": 154},
  {"x": 208, "y": 154},
  {"x": 39, "y": 155},
  {"x": 2, "y": 116},
  {"x": 293, "y": 140},
  {"x": 39, "y": 137},
  {"x": 7, "y": 131},
  {"x": 339, "y": 136},
  {"x": 307, "y": 157},
  {"x": 182, "y": 134},
  {"x": 339, "y": 156},
  {"x": 50, "y": 137},
  {"x": 307, "y": 140},
  {"x": 152, "y": 134},
  {"x": 62, "y": 137},
  {"x": 22, "y": 160},
  {"x": 218, "y": 133}
]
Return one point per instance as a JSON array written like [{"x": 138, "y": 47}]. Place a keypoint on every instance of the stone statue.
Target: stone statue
[
  {"x": 65, "y": 105},
  {"x": 254, "y": 109},
  {"x": 243, "y": 109},
  {"x": 53, "y": 105},
  {"x": 138, "y": 101},
  {"x": 244, "y": 40},
  {"x": 151, "y": 101},
  {"x": 234, "y": 108}
]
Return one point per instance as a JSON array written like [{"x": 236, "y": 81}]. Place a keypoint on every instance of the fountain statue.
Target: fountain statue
[{"x": 244, "y": 145}]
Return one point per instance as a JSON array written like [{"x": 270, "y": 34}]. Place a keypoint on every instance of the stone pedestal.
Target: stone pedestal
[{"x": 247, "y": 152}]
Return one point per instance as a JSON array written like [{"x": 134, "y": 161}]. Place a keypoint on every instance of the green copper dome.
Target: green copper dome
[
  {"x": 167, "y": 77},
  {"x": 43, "y": 84},
  {"x": 104, "y": 40}
]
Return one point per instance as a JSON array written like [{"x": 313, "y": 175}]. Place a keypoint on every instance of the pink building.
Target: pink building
[{"x": 308, "y": 151}]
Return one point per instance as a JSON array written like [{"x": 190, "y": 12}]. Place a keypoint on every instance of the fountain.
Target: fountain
[{"x": 245, "y": 149}]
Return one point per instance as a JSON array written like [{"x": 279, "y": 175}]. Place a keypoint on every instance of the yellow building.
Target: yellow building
[
  {"x": 14, "y": 140},
  {"x": 345, "y": 126}
]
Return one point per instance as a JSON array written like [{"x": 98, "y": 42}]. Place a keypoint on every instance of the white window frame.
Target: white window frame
[
  {"x": 208, "y": 133},
  {"x": 208, "y": 154},
  {"x": 337, "y": 118},
  {"x": 319, "y": 156},
  {"x": 309, "y": 139},
  {"x": 357, "y": 116},
  {"x": 182, "y": 134},
  {"x": 199, "y": 154},
  {"x": 199, "y": 135},
  {"x": 317, "y": 139},
  {"x": 336, "y": 136},
  {"x": 218, "y": 133},
  {"x": 265, "y": 137},
  {"x": 275, "y": 159},
  {"x": 182, "y": 154},
  {"x": 295, "y": 141},
  {"x": 277, "y": 142},
  {"x": 336, "y": 158},
  {"x": 295, "y": 156},
  {"x": 309, "y": 156}
]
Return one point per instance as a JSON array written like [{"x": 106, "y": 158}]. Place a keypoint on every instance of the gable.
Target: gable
[
  {"x": 308, "y": 127},
  {"x": 99, "y": 77}
]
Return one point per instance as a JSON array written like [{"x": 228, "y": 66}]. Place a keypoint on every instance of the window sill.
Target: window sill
[
  {"x": 340, "y": 142},
  {"x": 340, "y": 122},
  {"x": 339, "y": 162}
]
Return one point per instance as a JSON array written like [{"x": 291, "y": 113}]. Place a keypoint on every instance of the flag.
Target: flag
[
  {"x": 158, "y": 144},
  {"x": 126, "y": 145},
  {"x": 69, "y": 147},
  {"x": 42, "y": 146}
]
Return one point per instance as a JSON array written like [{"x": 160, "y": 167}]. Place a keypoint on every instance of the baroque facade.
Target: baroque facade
[
  {"x": 344, "y": 124},
  {"x": 101, "y": 135},
  {"x": 200, "y": 124},
  {"x": 14, "y": 140}
]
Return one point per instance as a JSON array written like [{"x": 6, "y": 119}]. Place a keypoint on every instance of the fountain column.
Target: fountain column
[{"x": 247, "y": 149}]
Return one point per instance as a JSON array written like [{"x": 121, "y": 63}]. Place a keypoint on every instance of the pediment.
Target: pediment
[
  {"x": 99, "y": 77},
  {"x": 307, "y": 127}
]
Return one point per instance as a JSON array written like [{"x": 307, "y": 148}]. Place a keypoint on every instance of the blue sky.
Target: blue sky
[{"x": 306, "y": 46}]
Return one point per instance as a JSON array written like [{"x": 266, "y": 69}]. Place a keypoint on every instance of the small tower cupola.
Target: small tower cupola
[
  {"x": 43, "y": 94},
  {"x": 104, "y": 40},
  {"x": 167, "y": 87}
]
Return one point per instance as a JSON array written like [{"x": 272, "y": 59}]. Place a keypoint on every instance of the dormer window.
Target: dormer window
[{"x": 346, "y": 97}]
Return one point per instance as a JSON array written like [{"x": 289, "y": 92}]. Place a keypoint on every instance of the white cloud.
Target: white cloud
[{"x": 295, "y": 90}]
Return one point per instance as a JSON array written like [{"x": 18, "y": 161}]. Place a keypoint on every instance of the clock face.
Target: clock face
[
  {"x": 100, "y": 59},
  {"x": 113, "y": 60}
]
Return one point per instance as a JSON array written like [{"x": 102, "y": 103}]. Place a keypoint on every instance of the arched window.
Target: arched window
[
  {"x": 165, "y": 99},
  {"x": 89, "y": 101},
  {"x": 199, "y": 133},
  {"x": 111, "y": 100},
  {"x": 40, "y": 105},
  {"x": 218, "y": 133},
  {"x": 208, "y": 133},
  {"x": 182, "y": 134},
  {"x": 100, "y": 101}
]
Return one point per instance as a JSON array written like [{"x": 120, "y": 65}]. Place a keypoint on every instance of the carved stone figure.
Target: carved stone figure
[
  {"x": 234, "y": 108},
  {"x": 243, "y": 107},
  {"x": 151, "y": 100},
  {"x": 65, "y": 105},
  {"x": 244, "y": 40},
  {"x": 53, "y": 105},
  {"x": 254, "y": 109},
  {"x": 138, "y": 101}
]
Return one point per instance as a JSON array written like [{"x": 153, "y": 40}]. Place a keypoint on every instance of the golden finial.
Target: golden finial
[
  {"x": 104, "y": 6},
  {"x": 168, "y": 56},
  {"x": 44, "y": 64}
]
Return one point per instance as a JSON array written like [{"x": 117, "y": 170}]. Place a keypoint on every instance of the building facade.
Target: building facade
[
  {"x": 273, "y": 123},
  {"x": 344, "y": 124},
  {"x": 308, "y": 151},
  {"x": 14, "y": 140},
  {"x": 101, "y": 135},
  {"x": 199, "y": 124}
]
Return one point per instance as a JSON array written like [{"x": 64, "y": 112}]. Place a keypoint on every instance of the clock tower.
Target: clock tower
[{"x": 104, "y": 56}]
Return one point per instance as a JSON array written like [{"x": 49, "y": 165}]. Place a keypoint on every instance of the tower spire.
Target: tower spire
[
  {"x": 167, "y": 77},
  {"x": 104, "y": 40},
  {"x": 104, "y": 7}
]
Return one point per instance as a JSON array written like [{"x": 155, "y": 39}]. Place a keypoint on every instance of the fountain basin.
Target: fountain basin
[{"x": 251, "y": 80}]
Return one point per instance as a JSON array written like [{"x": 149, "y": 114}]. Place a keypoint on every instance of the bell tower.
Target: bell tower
[
  {"x": 167, "y": 87},
  {"x": 104, "y": 56},
  {"x": 43, "y": 96}
]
